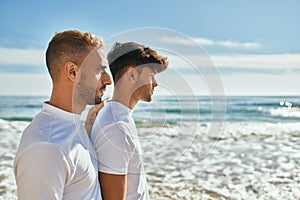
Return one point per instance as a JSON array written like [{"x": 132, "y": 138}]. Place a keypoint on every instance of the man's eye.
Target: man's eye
[{"x": 100, "y": 69}]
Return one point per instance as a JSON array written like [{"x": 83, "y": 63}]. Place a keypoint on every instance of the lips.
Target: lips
[
  {"x": 102, "y": 92},
  {"x": 102, "y": 89}
]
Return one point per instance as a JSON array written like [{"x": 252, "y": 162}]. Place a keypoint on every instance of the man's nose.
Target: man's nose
[
  {"x": 106, "y": 80},
  {"x": 154, "y": 83}
]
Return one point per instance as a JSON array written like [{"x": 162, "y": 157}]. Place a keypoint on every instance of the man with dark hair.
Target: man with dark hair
[
  {"x": 114, "y": 134},
  {"x": 55, "y": 158}
]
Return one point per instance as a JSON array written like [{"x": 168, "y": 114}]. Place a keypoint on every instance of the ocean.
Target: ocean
[{"x": 253, "y": 154}]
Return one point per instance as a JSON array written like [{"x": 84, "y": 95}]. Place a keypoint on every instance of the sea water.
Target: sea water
[{"x": 253, "y": 154}]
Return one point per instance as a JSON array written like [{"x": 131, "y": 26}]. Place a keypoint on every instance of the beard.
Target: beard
[
  {"x": 87, "y": 95},
  {"x": 143, "y": 93},
  {"x": 98, "y": 100},
  {"x": 99, "y": 93}
]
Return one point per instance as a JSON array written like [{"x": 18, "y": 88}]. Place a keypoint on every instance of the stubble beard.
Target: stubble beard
[
  {"x": 146, "y": 94},
  {"x": 98, "y": 100}
]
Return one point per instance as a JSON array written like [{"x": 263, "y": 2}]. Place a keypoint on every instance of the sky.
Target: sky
[{"x": 252, "y": 46}]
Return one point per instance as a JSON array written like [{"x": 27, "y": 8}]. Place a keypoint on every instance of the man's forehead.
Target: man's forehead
[
  {"x": 101, "y": 52},
  {"x": 148, "y": 68},
  {"x": 103, "y": 56}
]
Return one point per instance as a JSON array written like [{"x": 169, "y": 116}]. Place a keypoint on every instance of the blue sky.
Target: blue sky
[{"x": 253, "y": 44}]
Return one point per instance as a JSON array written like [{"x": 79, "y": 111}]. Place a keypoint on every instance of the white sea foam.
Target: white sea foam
[
  {"x": 10, "y": 133},
  {"x": 285, "y": 112},
  {"x": 243, "y": 161}
]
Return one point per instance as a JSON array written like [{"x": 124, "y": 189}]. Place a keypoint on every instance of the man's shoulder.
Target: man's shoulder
[
  {"x": 38, "y": 128},
  {"x": 118, "y": 130},
  {"x": 44, "y": 148},
  {"x": 45, "y": 129},
  {"x": 112, "y": 128},
  {"x": 42, "y": 160},
  {"x": 108, "y": 116},
  {"x": 42, "y": 151}
]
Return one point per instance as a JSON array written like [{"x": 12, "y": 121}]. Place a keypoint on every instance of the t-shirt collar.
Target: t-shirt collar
[
  {"x": 60, "y": 113},
  {"x": 120, "y": 106}
]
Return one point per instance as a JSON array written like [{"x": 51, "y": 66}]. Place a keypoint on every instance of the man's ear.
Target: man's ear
[
  {"x": 71, "y": 71},
  {"x": 132, "y": 74}
]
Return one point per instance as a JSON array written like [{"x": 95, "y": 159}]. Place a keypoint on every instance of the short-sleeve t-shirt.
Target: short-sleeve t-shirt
[
  {"x": 56, "y": 159},
  {"x": 118, "y": 149}
]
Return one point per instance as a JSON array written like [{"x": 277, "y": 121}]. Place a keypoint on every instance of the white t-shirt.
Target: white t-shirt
[
  {"x": 55, "y": 158},
  {"x": 118, "y": 148}
]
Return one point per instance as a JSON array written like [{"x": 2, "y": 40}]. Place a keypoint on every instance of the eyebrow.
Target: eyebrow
[{"x": 101, "y": 66}]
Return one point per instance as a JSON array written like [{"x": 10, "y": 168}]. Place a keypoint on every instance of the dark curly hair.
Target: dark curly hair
[{"x": 124, "y": 55}]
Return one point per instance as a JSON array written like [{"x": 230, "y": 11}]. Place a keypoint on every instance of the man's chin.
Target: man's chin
[
  {"x": 147, "y": 99},
  {"x": 94, "y": 101},
  {"x": 98, "y": 100}
]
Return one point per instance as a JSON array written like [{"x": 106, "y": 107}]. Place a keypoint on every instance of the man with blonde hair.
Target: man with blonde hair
[{"x": 55, "y": 159}]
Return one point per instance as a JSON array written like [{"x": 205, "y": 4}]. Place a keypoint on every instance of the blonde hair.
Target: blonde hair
[{"x": 69, "y": 46}]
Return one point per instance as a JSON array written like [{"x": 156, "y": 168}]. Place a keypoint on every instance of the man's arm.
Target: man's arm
[
  {"x": 41, "y": 172},
  {"x": 92, "y": 114},
  {"x": 114, "y": 148},
  {"x": 112, "y": 186}
]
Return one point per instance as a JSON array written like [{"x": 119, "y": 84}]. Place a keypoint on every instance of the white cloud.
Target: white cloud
[
  {"x": 25, "y": 84},
  {"x": 239, "y": 45},
  {"x": 204, "y": 41},
  {"x": 171, "y": 83},
  {"x": 241, "y": 84},
  {"x": 10, "y": 56},
  {"x": 264, "y": 61},
  {"x": 258, "y": 84},
  {"x": 177, "y": 40},
  {"x": 208, "y": 42}
]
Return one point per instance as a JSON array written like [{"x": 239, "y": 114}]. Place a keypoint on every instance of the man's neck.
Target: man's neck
[
  {"x": 63, "y": 99},
  {"x": 124, "y": 97},
  {"x": 61, "y": 104}
]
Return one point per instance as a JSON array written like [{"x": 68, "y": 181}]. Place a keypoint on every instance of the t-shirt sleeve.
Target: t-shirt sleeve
[
  {"x": 41, "y": 172},
  {"x": 114, "y": 147}
]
